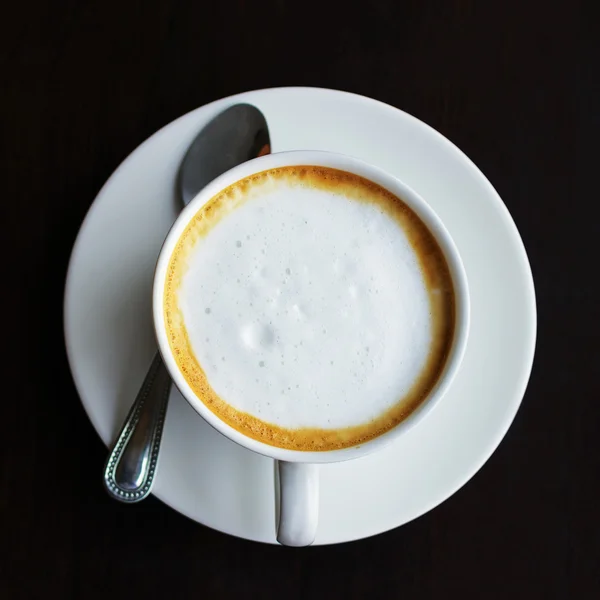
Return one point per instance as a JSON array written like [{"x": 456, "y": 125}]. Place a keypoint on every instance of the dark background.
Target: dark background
[{"x": 512, "y": 83}]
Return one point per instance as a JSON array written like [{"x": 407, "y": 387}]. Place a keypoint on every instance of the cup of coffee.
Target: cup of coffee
[{"x": 311, "y": 308}]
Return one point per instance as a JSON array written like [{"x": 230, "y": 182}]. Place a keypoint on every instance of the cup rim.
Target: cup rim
[{"x": 386, "y": 180}]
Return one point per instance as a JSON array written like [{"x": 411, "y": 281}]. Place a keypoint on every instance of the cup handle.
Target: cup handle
[{"x": 298, "y": 503}]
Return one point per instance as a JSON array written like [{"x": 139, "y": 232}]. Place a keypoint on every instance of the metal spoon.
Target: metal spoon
[{"x": 238, "y": 134}]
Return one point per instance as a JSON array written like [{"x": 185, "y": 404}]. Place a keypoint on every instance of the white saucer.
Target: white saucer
[{"x": 110, "y": 341}]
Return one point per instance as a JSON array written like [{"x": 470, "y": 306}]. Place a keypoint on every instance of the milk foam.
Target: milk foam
[{"x": 306, "y": 309}]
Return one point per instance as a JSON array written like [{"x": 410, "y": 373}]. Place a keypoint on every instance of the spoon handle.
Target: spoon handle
[{"x": 131, "y": 465}]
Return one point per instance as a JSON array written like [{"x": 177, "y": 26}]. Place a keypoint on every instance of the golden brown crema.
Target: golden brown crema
[{"x": 309, "y": 308}]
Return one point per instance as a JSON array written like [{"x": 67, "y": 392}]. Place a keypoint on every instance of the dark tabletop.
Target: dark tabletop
[{"x": 510, "y": 82}]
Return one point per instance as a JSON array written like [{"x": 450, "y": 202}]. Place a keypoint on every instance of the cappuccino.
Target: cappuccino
[{"x": 309, "y": 308}]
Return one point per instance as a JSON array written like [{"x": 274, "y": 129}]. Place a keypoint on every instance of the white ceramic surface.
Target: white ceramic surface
[
  {"x": 299, "y": 509},
  {"x": 387, "y": 181},
  {"x": 110, "y": 341}
]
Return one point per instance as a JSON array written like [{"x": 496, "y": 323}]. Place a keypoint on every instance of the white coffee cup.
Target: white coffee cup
[{"x": 298, "y": 470}]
